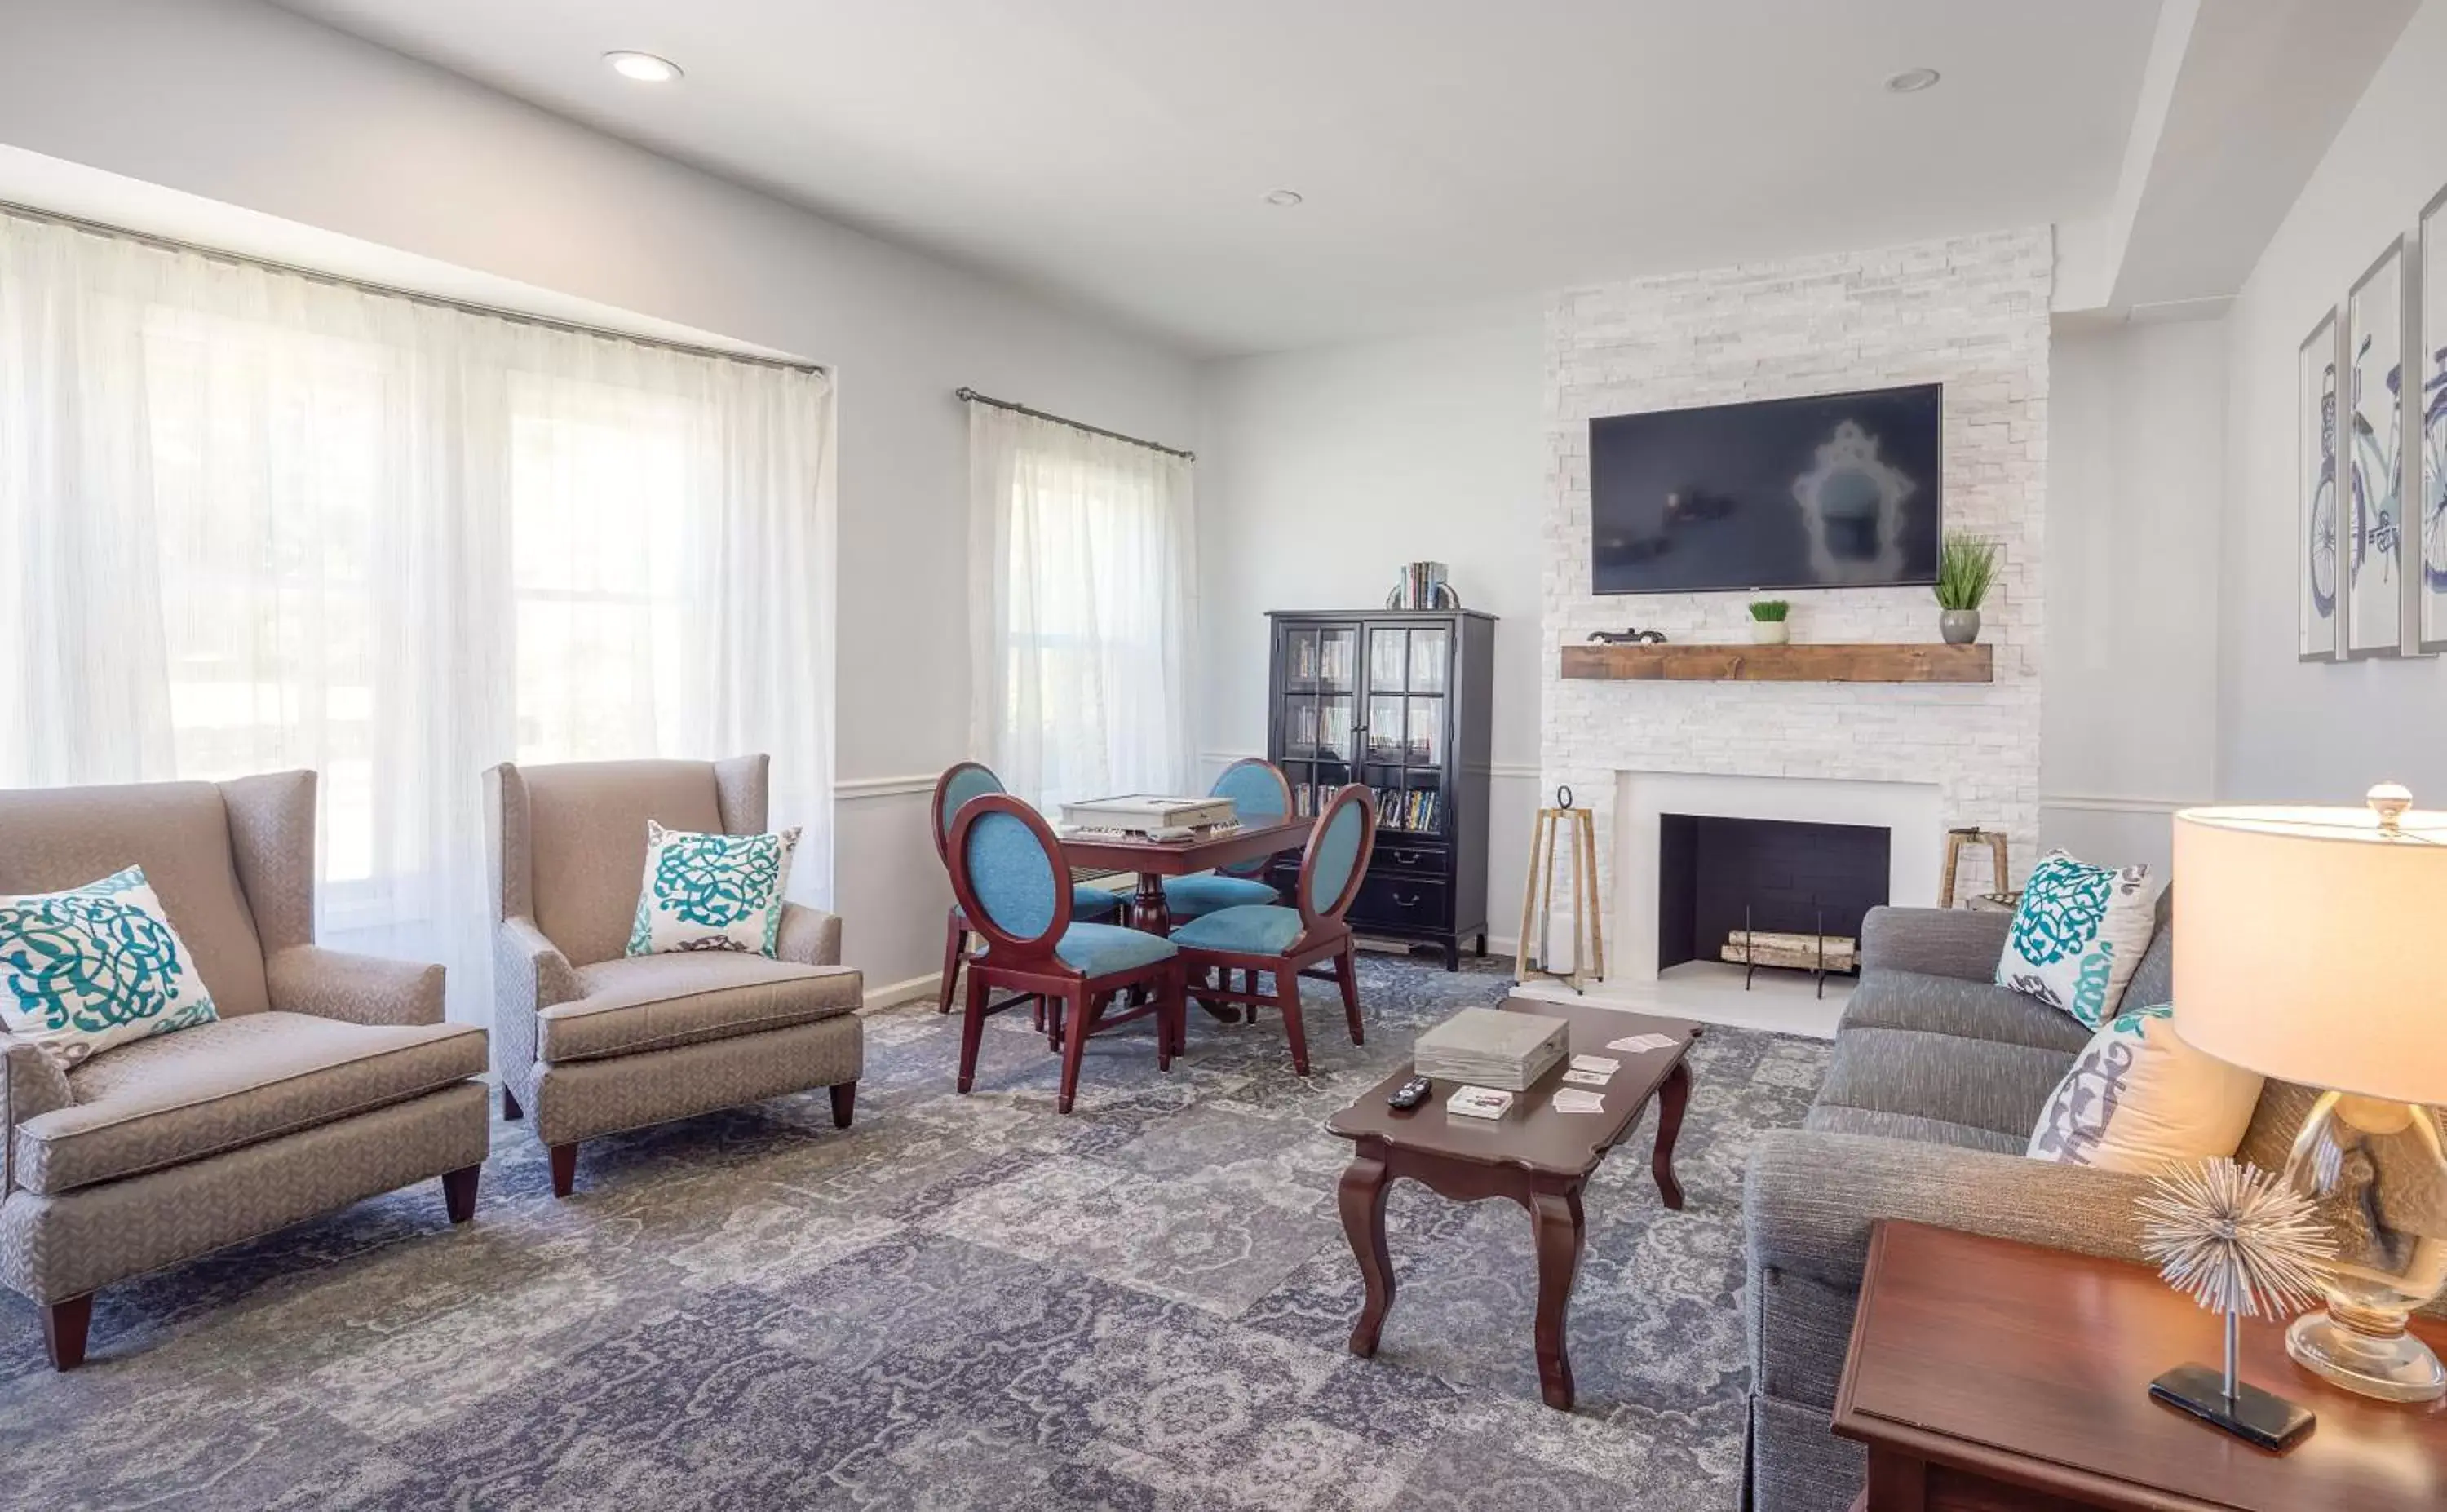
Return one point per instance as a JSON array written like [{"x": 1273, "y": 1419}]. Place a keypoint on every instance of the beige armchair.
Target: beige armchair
[
  {"x": 328, "y": 1079},
  {"x": 590, "y": 1040}
]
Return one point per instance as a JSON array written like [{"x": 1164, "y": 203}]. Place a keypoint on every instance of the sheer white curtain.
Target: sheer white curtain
[
  {"x": 1082, "y": 592},
  {"x": 251, "y": 520}
]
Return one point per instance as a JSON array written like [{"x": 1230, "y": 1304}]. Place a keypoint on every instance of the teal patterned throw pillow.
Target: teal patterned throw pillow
[
  {"x": 711, "y": 892},
  {"x": 94, "y": 966},
  {"x": 2078, "y": 933}
]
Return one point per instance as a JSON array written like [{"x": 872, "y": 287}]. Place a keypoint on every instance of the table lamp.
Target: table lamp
[{"x": 2311, "y": 946}]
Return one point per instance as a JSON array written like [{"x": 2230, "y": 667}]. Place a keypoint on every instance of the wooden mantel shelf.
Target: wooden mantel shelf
[{"x": 1669, "y": 662}]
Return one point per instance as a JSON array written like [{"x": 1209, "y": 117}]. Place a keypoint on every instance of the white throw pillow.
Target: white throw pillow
[
  {"x": 2139, "y": 1099},
  {"x": 2077, "y": 935},
  {"x": 95, "y": 966},
  {"x": 711, "y": 892}
]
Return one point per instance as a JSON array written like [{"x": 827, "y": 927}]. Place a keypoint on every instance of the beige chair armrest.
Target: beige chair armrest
[
  {"x": 31, "y": 1084},
  {"x": 353, "y": 989},
  {"x": 810, "y": 936},
  {"x": 529, "y": 971}
]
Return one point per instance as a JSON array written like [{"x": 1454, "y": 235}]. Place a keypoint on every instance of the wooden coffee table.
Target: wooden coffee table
[
  {"x": 1533, "y": 1155},
  {"x": 1989, "y": 1376}
]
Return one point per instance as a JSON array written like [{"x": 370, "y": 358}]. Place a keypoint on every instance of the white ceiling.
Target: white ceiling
[{"x": 1117, "y": 152}]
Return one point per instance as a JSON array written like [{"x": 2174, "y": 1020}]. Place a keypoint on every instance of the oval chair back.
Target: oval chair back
[
  {"x": 1007, "y": 872},
  {"x": 1336, "y": 861},
  {"x": 959, "y": 783},
  {"x": 1262, "y": 795}
]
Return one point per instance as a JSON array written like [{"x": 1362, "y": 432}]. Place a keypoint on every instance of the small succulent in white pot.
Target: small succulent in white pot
[
  {"x": 1967, "y": 566},
  {"x": 1766, "y": 621}
]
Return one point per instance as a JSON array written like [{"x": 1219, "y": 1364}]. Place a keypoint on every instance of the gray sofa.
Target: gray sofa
[{"x": 1936, "y": 1080}]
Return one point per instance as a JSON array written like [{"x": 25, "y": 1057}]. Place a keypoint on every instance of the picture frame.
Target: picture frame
[
  {"x": 2426, "y": 553},
  {"x": 2318, "y": 584},
  {"x": 2371, "y": 462}
]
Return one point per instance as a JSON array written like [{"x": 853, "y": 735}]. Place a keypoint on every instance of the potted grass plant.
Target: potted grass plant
[
  {"x": 1766, "y": 621},
  {"x": 1967, "y": 565}
]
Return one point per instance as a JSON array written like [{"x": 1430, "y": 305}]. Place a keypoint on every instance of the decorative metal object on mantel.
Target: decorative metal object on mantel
[
  {"x": 1967, "y": 566},
  {"x": 1424, "y": 585},
  {"x": 1576, "y": 829},
  {"x": 1767, "y": 622},
  {"x": 1631, "y": 636},
  {"x": 2241, "y": 1243}
]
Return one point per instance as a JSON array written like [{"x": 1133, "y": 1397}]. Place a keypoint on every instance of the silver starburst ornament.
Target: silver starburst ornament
[
  {"x": 2241, "y": 1243},
  {"x": 2236, "y": 1237}
]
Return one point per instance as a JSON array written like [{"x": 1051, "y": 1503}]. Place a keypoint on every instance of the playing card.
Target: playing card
[
  {"x": 1601, "y": 1065},
  {"x": 1640, "y": 1044},
  {"x": 1582, "y": 1078}
]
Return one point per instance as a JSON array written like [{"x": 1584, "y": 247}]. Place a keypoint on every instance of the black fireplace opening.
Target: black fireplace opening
[{"x": 1717, "y": 876}]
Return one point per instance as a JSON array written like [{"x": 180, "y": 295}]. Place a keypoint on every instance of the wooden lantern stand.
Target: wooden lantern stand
[{"x": 1576, "y": 828}]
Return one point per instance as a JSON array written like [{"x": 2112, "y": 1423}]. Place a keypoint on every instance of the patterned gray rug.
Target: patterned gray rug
[{"x": 960, "y": 1303}]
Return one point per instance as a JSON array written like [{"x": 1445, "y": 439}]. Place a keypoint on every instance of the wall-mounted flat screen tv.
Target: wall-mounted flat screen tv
[{"x": 1832, "y": 491}]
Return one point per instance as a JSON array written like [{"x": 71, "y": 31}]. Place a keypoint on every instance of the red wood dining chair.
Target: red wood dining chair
[
  {"x": 1285, "y": 942},
  {"x": 1007, "y": 872},
  {"x": 1261, "y": 795},
  {"x": 959, "y": 783}
]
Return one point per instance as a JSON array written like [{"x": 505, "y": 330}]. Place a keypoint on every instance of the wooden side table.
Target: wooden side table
[
  {"x": 1955, "y": 840},
  {"x": 1990, "y": 1376}
]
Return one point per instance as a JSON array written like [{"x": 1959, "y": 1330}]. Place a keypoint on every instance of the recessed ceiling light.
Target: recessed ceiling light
[
  {"x": 1911, "y": 81},
  {"x": 1282, "y": 197},
  {"x": 643, "y": 67}
]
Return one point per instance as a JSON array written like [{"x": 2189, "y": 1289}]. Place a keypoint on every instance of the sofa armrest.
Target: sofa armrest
[
  {"x": 1809, "y": 1200},
  {"x": 353, "y": 989},
  {"x": 1958, "y": 942},
  {"x": 31, "y": 1084},
  {"x": 810, "y": 936},
  {"x": 529, "y": 972}
]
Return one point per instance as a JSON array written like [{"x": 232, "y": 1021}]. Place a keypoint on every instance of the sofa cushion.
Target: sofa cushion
[
  {"x": 1981, "y": 1084},
  {"x": 224, "y": 1084},
  {"x": 96, "y": 966},
  {"x": 1948, "y": 1005},
  {"x": 2138, "y": 1099},
  {"x": 641, "y": 1003},
  {"x": 2078, "y": 933},
  {"x": 710, "y": 892},
  {"x": 1829, "y": 1118}
]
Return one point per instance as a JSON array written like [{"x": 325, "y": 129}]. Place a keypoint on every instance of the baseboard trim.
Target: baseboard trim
[{"x": 893, "y": 993}]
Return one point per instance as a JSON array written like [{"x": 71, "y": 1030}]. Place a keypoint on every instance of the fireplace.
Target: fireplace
[{"x": 1721, "y": 880}]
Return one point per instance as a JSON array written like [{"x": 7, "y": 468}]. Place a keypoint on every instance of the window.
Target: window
[{"x": 252, "y": 521}]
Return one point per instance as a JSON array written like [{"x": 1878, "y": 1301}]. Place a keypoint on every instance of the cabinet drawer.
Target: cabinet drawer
[
  {"x": 1394, "y": 858},
  {"x": 1401, "y": 900}
]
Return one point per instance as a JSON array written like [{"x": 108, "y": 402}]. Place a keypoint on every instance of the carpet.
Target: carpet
[{"x": 960, "y": 1302}]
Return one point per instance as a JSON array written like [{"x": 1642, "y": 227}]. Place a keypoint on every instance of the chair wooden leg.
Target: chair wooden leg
[
  {"x": 956, "y": 943},
  {"x": 844, "y": 1096},
  {"x": 1287, "y": 998},
  {"x": 972, "y": 1029},
  {"x": 564, "y": 1169},
  {"x": 510, "y": 1108},
  {"x": 1347, "y": 976},
  {"x": 1073, "y": 1010},
  {"x": 459, "y": 1192},
  {"x": 64, "y": 1325},
  {"x": 1171, "y": 991}
]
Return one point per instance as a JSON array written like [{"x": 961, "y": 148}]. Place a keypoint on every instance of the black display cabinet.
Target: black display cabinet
[{"x": 1398, "y": 700}]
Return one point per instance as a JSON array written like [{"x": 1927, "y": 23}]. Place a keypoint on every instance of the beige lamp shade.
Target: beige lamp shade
[{"x": 2311, "y": 944}]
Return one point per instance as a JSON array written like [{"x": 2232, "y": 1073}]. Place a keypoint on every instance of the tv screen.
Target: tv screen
[{"x": 1833, "y": 491}]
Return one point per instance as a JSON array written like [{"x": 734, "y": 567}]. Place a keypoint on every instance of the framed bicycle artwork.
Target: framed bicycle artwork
[
  {"x": 2428, "y": 633},
  {"x": 2370, "y": 464},
  {"x": 2317, "y": 365}
]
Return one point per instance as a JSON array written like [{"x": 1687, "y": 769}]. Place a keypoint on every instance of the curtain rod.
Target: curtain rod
[
  {"x": 974, "y": 397},
  {"x": 240, "y": 259}
]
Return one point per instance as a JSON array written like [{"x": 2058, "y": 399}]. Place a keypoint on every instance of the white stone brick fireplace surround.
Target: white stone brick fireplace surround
[{"x": 1970, "y": 312}]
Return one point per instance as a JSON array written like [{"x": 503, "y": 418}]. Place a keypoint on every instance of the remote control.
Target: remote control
[{"x": 1410, "y": 1095}]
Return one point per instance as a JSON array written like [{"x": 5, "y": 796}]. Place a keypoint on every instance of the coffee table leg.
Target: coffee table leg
[
  {"x": 1362, "y": 1199},
  {"x": 1671, "y": 1099},
  {"x": 1556, "y": 1220}
]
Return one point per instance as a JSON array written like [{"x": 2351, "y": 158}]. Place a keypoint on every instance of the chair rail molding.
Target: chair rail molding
[
  {"x": 2118, "y": 802},
  {"x": 851, "y": 789}
]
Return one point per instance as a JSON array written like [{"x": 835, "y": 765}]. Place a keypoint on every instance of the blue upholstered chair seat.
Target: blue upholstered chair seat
[
  {"x": 1100, "y": 950},
  {"x": 1195, "y": 897},
  {"x": 1093, "y": 902},
  {"x": 1244, "y": 931}
]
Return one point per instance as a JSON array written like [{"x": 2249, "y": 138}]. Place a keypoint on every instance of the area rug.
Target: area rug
[{"x": 960, "y": 1302}]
